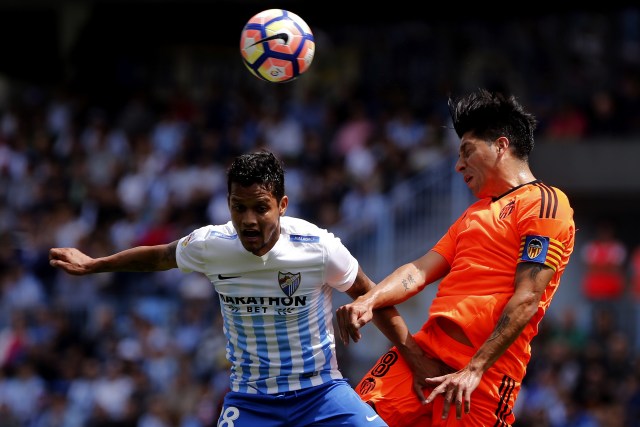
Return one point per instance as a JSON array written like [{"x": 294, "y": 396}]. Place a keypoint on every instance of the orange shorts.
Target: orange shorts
[{"x": 388, "y": 387}]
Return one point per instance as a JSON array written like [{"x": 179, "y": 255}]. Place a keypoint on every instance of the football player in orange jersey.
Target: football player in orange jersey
[{"x": 500, "y": 264}]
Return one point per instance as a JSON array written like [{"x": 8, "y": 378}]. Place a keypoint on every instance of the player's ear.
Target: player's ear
[
  {"x": 284, "y": 202},
  {"x": 502, "y": 144}
]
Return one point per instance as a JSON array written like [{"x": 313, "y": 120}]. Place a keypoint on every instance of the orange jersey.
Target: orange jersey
[{"x": 531, "y": 223}]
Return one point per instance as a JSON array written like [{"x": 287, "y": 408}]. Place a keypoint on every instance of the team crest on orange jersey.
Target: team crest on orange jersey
[
  {"x": 507, "y": 209},
  {"x": 534, "y": 248},
  {"x": 366, "y": 385},
  {"x": 289, "y": 282}
]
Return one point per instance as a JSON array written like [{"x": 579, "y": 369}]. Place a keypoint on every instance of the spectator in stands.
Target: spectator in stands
[
  {"x": 604, "y": 279},
  {"x": 604, "y": 118},
  {"x": 634, "y": 269},
  {"x": 567, "y": 124}
]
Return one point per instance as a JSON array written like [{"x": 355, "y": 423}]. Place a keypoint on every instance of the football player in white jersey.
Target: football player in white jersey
[{"x": 274, "y": 276}]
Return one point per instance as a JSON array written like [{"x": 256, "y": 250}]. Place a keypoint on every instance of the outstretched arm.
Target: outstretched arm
[
  {"x": 389, "y": 321},
  {"x": 141, "y": 258},
  {"x": 405, "y": 282},
  {"x": 530, "y": 282}
]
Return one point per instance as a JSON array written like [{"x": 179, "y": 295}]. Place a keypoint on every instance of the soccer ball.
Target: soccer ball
[{"x": 277, "y": 45}]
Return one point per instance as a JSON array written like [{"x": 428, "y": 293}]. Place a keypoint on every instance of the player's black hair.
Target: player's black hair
[
  {"x": 490, "y": 115},
  {"x": 260, "y": 167}
]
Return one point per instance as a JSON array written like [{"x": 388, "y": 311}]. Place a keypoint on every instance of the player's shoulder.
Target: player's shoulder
[
  {"x": 209, "y": 232},
  {"x": 298, "y": 229},
  {"x": 541, "y": 190},
  {"x": 552, "y": 201}
]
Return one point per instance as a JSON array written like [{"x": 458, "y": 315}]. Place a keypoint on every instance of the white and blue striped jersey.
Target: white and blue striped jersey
[{"x": 277, "y": 308}]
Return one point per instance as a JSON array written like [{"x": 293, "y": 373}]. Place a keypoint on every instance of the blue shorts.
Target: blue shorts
[{"x": 332, "y": 404}]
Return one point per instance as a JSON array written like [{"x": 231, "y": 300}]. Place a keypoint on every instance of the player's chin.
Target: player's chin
[{"x": 252, "y": 244}]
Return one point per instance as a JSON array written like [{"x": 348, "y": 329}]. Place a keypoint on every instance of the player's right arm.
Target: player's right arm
[
  {"x": 138, "y": 259},
  {"x": 405, "y": 282},
  {"x": 389, "y": 321}
]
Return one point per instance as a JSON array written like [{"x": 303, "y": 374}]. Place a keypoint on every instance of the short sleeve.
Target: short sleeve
[
  {"x": 190, "y": 250},
  {"x": 547, "y": 229},
  {"x": 341, "y": 267}
]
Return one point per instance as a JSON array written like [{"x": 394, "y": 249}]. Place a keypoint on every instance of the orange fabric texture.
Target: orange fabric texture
[
  {"x": 531, "y": 223},
  {"x": 388, "y": 388}
]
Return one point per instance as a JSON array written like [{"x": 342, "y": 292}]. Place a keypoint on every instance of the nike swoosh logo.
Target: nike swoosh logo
[
  {"x": 371, "y": 418},
  {"x": 221, "y": 277},
  {"x": 282, "y": 36}
]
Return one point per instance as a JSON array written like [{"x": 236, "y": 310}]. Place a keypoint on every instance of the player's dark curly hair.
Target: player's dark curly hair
[
  {"x": 489, "y": 115},
  {"x": 261, "y": 167}
]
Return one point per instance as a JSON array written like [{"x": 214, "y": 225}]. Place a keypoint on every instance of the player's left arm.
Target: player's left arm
[{"x": 531, "y": 279}]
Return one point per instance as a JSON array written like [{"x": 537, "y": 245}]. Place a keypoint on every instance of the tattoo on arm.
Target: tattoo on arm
[
  {"x": 408, "y": 281},
  {"x": 534, "y": 270},
  {"x": 500, "y": 327},
  {"x": 170, "y": 253}
]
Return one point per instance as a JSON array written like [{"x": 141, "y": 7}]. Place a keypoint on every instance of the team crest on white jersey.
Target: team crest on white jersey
[
  {"x": 186, "y": 241},
  {"x": 288, "y": 282}
]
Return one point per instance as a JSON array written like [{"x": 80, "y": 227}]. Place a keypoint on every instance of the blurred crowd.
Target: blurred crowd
[{"x": 147, "y": 350}]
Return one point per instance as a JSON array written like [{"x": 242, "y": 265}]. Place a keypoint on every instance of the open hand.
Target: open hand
[
  {"x": 70, "y": 260},
  {"x": 456, "y": 387}
]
